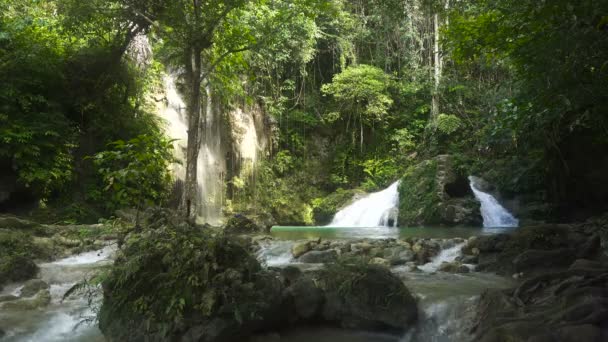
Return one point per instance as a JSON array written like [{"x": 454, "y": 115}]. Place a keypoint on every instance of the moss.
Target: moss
[
  {"x": 171, "y": 274},
  {"x": 16, "y": 257},
  {"x": 325, "y": 208},
  {"x": 418, "y": 195}
]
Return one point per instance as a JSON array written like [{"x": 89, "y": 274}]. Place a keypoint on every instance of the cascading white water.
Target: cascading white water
[
  {"x": 378, "y": 209},
  {"x": 446, "y": 255},
  {"x": 494, "y": 215},
  {"x": 62, "y": 319}
]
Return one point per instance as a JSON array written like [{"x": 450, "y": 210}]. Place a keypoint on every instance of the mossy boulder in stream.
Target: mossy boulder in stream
[
  {"x": 16, "y": 257},
  {"x": 433, "y": 193}
]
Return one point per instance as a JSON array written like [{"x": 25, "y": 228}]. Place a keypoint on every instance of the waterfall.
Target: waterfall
[
  {"x": 211, "y": 168},
  {"x": 494, "y": 215},
  {"x": 211, "y": 162},
  {"x": 378, "y": 209}
]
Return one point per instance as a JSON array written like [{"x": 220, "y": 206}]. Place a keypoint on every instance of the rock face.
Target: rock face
[
  {"x": 432, "y": 192},
  {"x": 563, "y": 293},
  {"x": 570, "y": 305},
  {"x": 532, "y": 250}
]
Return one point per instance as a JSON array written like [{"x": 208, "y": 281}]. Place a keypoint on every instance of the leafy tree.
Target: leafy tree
[
  {"x": 136, "y": 172},
  {"x": 361, "y": 93}
]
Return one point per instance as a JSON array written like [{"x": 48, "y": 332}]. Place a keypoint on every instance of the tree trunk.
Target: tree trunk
[
  {"x": 193, "y": 70},
  {"x": 436, "y": 68}
]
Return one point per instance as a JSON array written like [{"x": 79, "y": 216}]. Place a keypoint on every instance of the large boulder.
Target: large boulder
[
  {"x": 318, "y": 257},
  {"x": 356, "y": 297},
  {"x": 32, "y": 287},
  {"x": 42, "y": 299},
  {"x": 532, "y": 250},
  {"x": 433, "y": 193}
]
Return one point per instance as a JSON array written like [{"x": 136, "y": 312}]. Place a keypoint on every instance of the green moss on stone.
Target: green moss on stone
[{"x": 418, "y": 195}]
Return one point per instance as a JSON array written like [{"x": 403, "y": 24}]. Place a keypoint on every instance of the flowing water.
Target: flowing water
[
  {"x": 494, "y": 214},
  {"x": 378, "y": 209},
  {"x": 60, "y": 320},
  {"x": 446, "y": 300}
]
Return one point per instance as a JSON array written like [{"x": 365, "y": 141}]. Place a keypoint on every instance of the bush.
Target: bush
[{"x": 173, "y": 273}]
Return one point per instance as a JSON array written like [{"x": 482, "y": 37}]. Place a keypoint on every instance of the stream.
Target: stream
[
  {"x": 60, "y": 320},
  {"x": 445, "y": 299}
]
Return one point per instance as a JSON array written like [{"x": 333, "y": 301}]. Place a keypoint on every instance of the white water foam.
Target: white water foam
[
  {"x": 446, "y": 255},
  {"x": 494, "y": 215},
  {"x": 378, "y": 209}
]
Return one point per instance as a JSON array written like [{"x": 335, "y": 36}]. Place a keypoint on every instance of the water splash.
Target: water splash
[
  {"x": 276, "y": 253},
  {"x": 378, "y": 209},
  {"x": 446, "y": 255},
  {"x": 494, "y": 214}
]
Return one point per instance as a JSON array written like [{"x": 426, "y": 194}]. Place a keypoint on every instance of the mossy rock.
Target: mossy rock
[
  {"x": 241, "y": 224},
  {"x": 324, "y": 209},
  {"x": 433, "y": 193},
  {"x": 16, "y": 257},
  {"x": 418, "y": 195}
]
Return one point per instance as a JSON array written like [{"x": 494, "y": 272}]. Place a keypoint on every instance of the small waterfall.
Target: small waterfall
[
  {"x": 446, "y": 255},
  {"x": 378, "y": 209},
  {"x": 494, "y": 215}
]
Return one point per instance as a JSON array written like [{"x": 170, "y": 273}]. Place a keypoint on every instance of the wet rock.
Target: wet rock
[
  {"x": 360, "y": 247},
  {"x": 300, "y": 248},
  {"x": 270, "y": 337},
  {"x": 7, "y": 298},
  {"x": 398, "y": 255},
  {"x": 314, "y": 257},
  {"x": 453, "y": 267},
  {"x": 547, "y": 259},
  {"x": 17, "y": 223},
  {"x": 567, "y": 305},
  {"x": 31, "y": 287},
  {"x": 577, "y": 333},
  {"x": 380, "y": 262},
  {"x": 585, "y": 264},
  {"x": 307, "y": 297},
  {"x": 42, "y": 299},
  {"x": 364, "y": 303}
]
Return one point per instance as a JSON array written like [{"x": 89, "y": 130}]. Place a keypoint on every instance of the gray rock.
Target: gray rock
[
  {"x": 319, "y": 257},
  {"x": 380, "y": 262},
  {"x": 453, "y": 267},
  {"x": 307, "y": 297},
  {"x": 31, "y": 287},
  {"x": 8, "y": 298}
]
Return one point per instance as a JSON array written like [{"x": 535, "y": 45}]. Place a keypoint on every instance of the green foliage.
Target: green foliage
[
  {"x": 173, "y": 273},
  {"x": 324, "y": 208},
  {"x": 361, "y": 90},
  {"x": 136, "y": 172},
  {"x": 418, "y": 194},
  {"x": 448, "y": 123},
  {"x": 380, "y": 172}
]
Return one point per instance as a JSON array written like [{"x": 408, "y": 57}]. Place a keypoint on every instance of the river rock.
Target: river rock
[
  {"x": 300, "y": 248},
  {"x": 7, "y": 298},
  {"x": 360, "y": 247},
  {"x": 31, "y": 287},
  {"x": 364, "y": 303},
  {"x": 315, "y": 257},
  {"x": 453, "y": 267},
  {"x": 307, "y": 297},
  {"x": 398, "y": 255},
  {"x": 380, "y": 262},
  {"x": 42, "y": 299}
]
